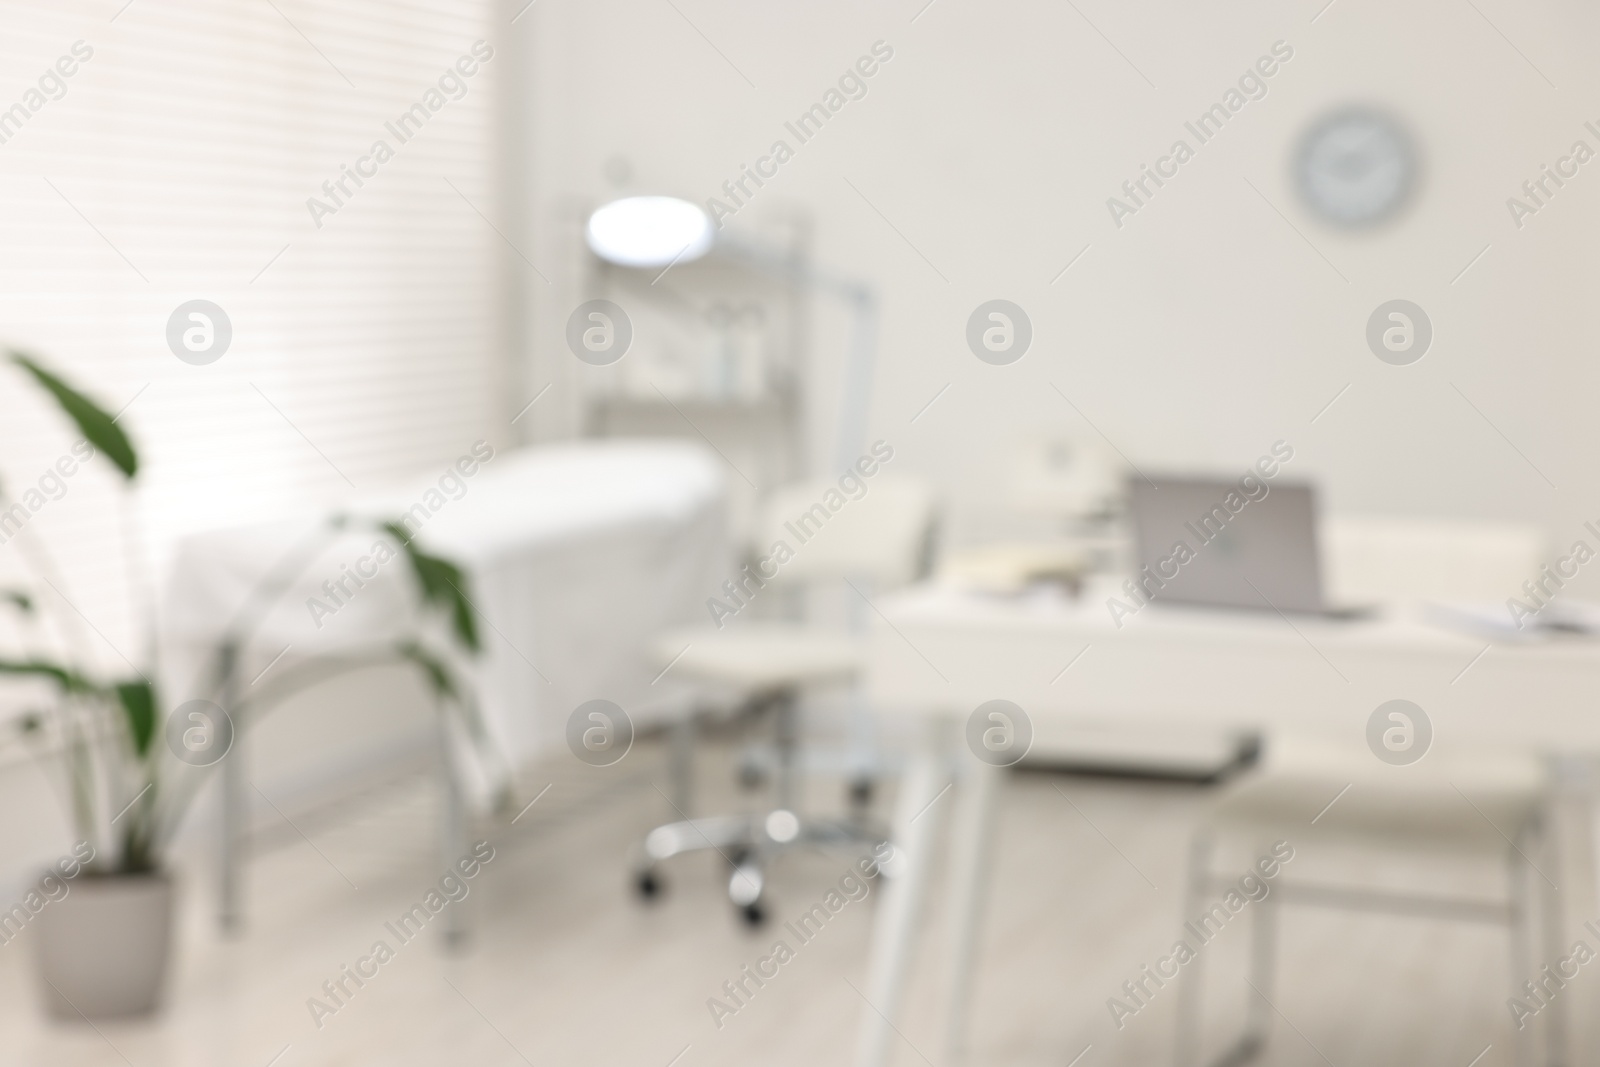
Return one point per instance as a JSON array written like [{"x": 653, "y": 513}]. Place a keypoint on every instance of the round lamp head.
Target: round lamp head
[{"x": 649, "y": 231}]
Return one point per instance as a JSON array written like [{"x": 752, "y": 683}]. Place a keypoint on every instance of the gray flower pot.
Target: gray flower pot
[{"x": 102, "y": 949}]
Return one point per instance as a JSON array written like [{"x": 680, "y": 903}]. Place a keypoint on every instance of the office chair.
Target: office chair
[
  {"x": 870, "y": 544},
  {"x": 1485, "y": 806}
]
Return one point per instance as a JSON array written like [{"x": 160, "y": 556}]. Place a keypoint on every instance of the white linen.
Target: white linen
[{"x": 576, "y": 555}]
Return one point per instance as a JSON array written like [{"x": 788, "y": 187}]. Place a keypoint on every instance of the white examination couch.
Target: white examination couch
[{"x": 576, "y": 555}]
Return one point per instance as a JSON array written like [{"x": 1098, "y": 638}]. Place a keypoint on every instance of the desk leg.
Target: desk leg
[
  {"x": 1577, "y": 824},
  {"x": 894, "y": 930},
  {"x": 1584, "y": 866},
  {"x": 973, "y": 848}
]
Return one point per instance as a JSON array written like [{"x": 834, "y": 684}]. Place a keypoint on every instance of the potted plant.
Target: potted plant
[{"x": 103, "y": 940}]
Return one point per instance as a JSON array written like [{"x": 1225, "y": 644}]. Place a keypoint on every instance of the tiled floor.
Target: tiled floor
[{"x": 567, "y": 969}]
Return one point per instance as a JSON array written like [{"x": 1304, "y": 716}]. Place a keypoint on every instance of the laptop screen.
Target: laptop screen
[{"x": 1222, "y": 544}]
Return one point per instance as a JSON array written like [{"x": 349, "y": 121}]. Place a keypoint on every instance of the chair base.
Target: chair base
[{"x": 748, "y": 843}]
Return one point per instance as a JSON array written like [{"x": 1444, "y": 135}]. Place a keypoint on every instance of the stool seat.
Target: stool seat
[
  {"x": 1475, "y": 801},
  {"x": 761, "y": 656}
]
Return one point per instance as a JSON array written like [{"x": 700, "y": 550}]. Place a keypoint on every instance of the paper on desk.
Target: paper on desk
[
  {"x": 1015, "y": 567},
  {"x": 1497, "y": 622}
]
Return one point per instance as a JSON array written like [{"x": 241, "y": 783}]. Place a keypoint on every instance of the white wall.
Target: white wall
[{"x": 1206, "y": 327}]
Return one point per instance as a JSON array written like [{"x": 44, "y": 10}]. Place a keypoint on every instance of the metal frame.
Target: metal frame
[
  {"x": 777, "y": 425},
  {"x": 231, "y": 828},
  {"x": 224, "y": 682},
  {"x": 1515, "y": 912}
]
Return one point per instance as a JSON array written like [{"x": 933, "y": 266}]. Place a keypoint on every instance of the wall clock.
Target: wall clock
[{"x": 1355, "y": 167}]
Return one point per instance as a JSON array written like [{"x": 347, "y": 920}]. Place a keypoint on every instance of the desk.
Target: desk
[{"x": 937, "y": 653}]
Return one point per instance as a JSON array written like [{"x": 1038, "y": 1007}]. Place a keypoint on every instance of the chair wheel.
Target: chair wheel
[
  {"x": 753, "y": 914},
  {"x": 647, "y": 885}
]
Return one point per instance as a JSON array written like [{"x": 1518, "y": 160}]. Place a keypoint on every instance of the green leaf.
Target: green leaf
[
  {"x": 460, "y": 699},
  {"x": 448, "y": 580},
  {"x": 443, "y": 585},
  {"x": 92, "y": 420},
  {"x": 138, "y": 702},
  {"x": 68, "y": 679},
  {"x": 17, "y": 599},
  {"x": 435, "y": 668}
]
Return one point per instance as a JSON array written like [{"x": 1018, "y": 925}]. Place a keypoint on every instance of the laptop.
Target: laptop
[{"x": 1204, "y": 541}]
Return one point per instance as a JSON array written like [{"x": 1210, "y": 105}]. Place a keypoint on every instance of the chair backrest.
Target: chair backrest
[
  {"x": 1367, "y": 558},
  {"x": 878, "y": 530}
]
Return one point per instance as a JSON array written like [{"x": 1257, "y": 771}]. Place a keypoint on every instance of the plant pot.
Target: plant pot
[{"x": 102, "y": 949}]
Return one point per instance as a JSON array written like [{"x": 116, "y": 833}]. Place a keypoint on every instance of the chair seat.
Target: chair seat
[
  {"x": 761, "y": 656},
  {"x": 1481, "y": 800}
]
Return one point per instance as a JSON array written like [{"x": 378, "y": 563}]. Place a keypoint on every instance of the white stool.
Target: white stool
[
  {"x": 877, "y": 540},
  {"x": 1491, "y": 806}
]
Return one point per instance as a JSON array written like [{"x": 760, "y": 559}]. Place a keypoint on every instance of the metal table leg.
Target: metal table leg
[
  {"x": 973, "y": 844},
  {"x": 895, "y": 927}
]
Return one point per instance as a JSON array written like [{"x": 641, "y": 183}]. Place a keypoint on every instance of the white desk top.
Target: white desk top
[{"x": 943, "y": 651}]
